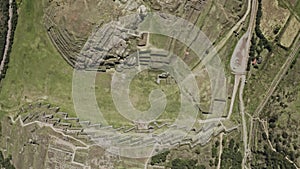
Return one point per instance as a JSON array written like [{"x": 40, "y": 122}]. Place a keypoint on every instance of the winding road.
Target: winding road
[{"x": 238, "y": 64}]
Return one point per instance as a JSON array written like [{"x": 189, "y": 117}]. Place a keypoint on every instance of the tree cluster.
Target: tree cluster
[
  {"x": 263, "y": 43},
  {"x": 270, "y": 159},
  {"x": 4, "y": 5},
  {"x": 14, "y": 25},
  {"x": 231, "y": 156},
  {"x": 258, "y": 31},
  {"x": 186, "y": 164},
  {"x": 5, "y": 162},
  {"x": 159, "y": 158}
]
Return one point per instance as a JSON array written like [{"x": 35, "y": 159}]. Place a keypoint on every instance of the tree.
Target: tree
[
  {"x": 211, "y": 163},
  {"x": 285, "y": 135},
  {"x": 6, "y": 163},
  {"x": 214, "y": 152},
  {"x": 272, "y": 125},
  {"x": 276, "y": 30},
  {"x": 231, "y": 144},
  {"x": 202, "y": 167}
]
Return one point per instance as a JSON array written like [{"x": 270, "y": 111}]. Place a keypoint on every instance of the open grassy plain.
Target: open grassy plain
[
  {"x": 221, "y": 18},
  {"x": 140, "y": 88},
  {"x": 105, "y": 101},
  {"x": 36, "y": 70},
  {"x": 259, "y": 79},
  {"x": 273, "y": 17},
  {"x": 297, "y": 8},
  {"x": 290, "y": 32}
]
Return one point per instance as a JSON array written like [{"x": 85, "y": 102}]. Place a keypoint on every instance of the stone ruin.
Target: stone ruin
[
  {"x": 98, "y": 133},
  {"x": 72, "y": 43}
]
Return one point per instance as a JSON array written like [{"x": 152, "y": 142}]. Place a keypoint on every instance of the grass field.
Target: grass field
[
  {"x": 221, "y": 17},
  {"x": 159, "y": 41},
  {"x": 212, "y": 27},
  {"x": 259, "y": 79},
  {"x": 273, "y": 17},
  {"x": 203, "y": 15},
  {"x": 290, "y": 32},
  {"x": 140, "y": 91},
  {"x": 176, "y": 46},
  {"x": 297, "y": 8},
  {"x": 105, "y": 101},
  {"x": 80, "y": 17},
  {"x": 293, "y": 2},
  {"x": 139, "y": 94},
  {"x": 36, "y": 70}
]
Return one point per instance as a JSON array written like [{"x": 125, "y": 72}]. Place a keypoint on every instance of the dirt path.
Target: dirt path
[
  {"x": 221, "y": 150},
  {"x": 247, "y": 150},
  {"x": 238, "y": 64},
  {"x": 7, "y": 45},
  {"x": 211, "y": 120},
  {"x": 241, "y": 54},
  {"x": 235, "y": 88},
  {"x": 244, "y": 122}
]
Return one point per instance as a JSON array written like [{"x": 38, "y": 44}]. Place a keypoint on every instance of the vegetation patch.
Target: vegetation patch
[
  {"x": 105, "y": 101},
  {"x": 185, "y": 164},
  {"x": 259, "y": 80},
  {"x": 140, "y": 88},
  {"x": 145, "y": 82},
  {"x": 282, "y": 112},
  {"x": 3, "y": 25},
  {"x": 160, "y": 41},
  {"x": 185, "y": 157},
  {"x": 221, "y": 17},
  {"x": 231, "y": 156},
  {"x": 6, "y": 162},
  {"x": 290, "y": 32},
  {"x": 36, "y": 70},
  {"x": 297, "y": 8},
  {"x": 269, "y": 159},
  {"x": 274, "y": 17},
  {"x": 3, "y": 34},
  {"x": 159, "y": 158},
  {"x": 258, "y": 41}
]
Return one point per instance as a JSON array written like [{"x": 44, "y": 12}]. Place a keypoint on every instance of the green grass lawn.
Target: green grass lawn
[
  {"x": 297, "y": 8},
  {"x": 105, "y": 101},
  {"x": 159, "y": 41},
  {"x": 36, "y": 71},
  {"x": 140, "y": 88},
  {"x": 261, "y": 78}
]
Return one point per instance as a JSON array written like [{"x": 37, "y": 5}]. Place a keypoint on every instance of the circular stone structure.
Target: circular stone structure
[{"x": 141, "y": 145}]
